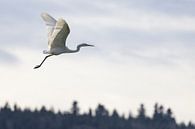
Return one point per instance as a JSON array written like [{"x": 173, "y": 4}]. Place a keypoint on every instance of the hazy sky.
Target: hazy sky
[{"x": 144, "y": 54}]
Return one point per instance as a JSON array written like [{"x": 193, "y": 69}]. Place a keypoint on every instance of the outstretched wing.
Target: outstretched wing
[
  {"x": 50, "y": 23},
  {"x": 60, "y": 33}
]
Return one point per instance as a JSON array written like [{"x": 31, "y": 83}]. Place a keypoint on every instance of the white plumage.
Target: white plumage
[{"x": 58, "y": 31}]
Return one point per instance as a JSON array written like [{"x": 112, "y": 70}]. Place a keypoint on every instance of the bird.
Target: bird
[{"x": 58, "y": 31}]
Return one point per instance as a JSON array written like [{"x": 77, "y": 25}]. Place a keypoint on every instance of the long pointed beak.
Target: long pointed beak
[{"x": 92, "y": 45}]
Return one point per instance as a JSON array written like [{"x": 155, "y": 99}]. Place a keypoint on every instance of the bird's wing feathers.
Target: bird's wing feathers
[
  {"x": 60, "y": 34},
  {"x": 58, "y": 31},
  {"x": 50, "y": 23}
]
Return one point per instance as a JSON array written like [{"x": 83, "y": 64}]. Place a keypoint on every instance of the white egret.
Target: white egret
[{"x": 58, "y": 31}]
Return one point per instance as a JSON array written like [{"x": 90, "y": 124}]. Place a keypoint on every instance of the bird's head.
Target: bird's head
[
  {"x": 83, "y": 45},
  {"x": 86, "y": 45}
]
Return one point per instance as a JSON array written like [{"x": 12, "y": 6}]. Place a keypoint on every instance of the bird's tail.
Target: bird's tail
[{"x": 45, "y": 52}]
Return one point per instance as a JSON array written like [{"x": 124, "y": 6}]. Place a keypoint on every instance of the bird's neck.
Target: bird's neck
[{"x": 77, "y": 49}]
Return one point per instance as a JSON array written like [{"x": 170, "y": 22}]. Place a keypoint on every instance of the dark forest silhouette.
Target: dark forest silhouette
[{"x": 17, "y": 118}]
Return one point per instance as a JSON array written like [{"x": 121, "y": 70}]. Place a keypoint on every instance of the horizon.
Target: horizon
[{"x": 110, "y": 112}]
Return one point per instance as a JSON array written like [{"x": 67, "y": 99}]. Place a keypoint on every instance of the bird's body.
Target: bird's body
[{"x": 58, "y": 31}]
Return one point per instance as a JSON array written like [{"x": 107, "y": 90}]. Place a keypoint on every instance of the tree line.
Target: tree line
[{"x": 100, "y": 118}]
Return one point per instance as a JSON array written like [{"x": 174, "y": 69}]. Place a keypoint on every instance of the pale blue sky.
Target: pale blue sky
[{"x": 144, "y": 54}]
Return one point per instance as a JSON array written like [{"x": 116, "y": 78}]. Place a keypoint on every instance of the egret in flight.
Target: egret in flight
[{"x": 58, "y": 31}]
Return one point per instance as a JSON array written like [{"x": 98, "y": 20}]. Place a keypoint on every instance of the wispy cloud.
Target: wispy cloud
[
  {"x": 119, "y": 27},
  {"x": 7, "y": 58}
]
